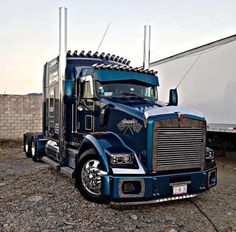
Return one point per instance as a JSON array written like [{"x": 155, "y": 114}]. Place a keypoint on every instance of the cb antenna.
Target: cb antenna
[{"x": 103, "y": 36}]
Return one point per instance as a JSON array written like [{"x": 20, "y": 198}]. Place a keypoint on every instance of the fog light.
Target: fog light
[
  {"x": 128, "y": 187},
  {"x": 131, "y": 187},
  {"x": 212, "y": 178}
]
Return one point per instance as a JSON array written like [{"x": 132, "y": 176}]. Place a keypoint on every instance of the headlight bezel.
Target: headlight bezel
[
  {"x": 210, "y": 154},
  {"x": 121, "y": 159},
  {"x": 130, "y": 163}
]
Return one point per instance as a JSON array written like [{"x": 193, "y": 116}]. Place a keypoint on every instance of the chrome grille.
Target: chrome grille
[{"x": 178, "y": 148}]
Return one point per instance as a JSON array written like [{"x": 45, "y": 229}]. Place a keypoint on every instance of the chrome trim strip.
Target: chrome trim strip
[
  {"x": 153, "y": 201},
  {"x": 140, "y": 170}
]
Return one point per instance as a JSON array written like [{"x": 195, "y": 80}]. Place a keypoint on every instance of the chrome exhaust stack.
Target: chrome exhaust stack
[
  {"x": 146, "y": 47},
  {"x": 62, "y": 68}
]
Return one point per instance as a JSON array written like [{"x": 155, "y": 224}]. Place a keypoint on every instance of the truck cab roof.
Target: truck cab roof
[{"x": 107, "y": 68}]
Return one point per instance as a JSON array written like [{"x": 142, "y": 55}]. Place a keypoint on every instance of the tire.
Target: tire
[
  {"x": 33, "y": 150},
  {"x": 86, "y": 177},
  {"x": 26, "y": 147}
]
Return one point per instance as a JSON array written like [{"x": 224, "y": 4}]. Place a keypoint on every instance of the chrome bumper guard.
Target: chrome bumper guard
[{"x": 153, "y": 201}]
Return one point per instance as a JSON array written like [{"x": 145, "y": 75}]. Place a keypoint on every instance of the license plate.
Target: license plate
[{"x": 179, "y": 189}]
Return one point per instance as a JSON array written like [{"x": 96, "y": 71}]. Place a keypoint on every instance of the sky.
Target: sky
[{"x": 29, "y": 32}]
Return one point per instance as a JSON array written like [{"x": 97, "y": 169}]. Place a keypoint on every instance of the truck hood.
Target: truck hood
[
  {"x": 171, "y": 110},
  {"x": 145, "y": 108}
]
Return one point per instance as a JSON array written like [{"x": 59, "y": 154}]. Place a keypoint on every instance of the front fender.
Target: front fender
[
  {"x": 101, "y": 141},
  {"x": 104, "y": 140}
]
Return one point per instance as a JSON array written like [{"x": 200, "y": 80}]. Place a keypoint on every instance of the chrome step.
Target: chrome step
[
  {"x": 67, "y": 171},
  {"x": 51, "y": 162}
]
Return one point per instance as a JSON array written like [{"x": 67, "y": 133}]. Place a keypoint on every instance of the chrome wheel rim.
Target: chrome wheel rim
[
  {"x": 33, "y": 148},
  {"x": 90, "y": 175},
  {"x": 26, "y": 147}
]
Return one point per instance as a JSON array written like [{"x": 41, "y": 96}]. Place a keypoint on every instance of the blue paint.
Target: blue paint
[
  {"x": 124, "y": 108},
  {"x": 105, "y": 183},
  {"x": 109, "y": 75}
]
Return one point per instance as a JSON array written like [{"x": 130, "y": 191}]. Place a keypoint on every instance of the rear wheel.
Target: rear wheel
[
  {"x": 26, "y": 146},
  {"x": 33, "y": 150},
  {"x": 87, "y": 177}
]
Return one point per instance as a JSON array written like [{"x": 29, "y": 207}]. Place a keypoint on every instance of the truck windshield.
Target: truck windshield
[{"x": 121, "y": 89}]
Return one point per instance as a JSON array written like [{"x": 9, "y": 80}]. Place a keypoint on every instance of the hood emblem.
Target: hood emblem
[
  {"x": 181, "y": 119},
  {"x": 132, "y": 125}
]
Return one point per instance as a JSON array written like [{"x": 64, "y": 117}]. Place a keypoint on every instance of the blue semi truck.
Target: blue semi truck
[{"x": 104, "y": 126}]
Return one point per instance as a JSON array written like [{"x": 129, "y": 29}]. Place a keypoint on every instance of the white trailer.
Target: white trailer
[{"x": 206, "y": 80}]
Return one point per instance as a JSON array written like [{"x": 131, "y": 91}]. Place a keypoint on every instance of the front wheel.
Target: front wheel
[{"x": 88, "y": 176}]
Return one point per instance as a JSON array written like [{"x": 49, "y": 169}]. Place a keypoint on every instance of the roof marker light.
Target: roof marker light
[
  {"x": 82, "y": 53},
  {"x": 89, "y": 53},
  {"x": 119, "y": 67},
  {"x": 124, "y": 61},
  {"x": 95, "y": 54},
  {"x": 75, "y": 53},
  {"x": 123, "y": 67},
  {"x": 117, "y": 58},
  {"x": 69, "y": 53},
  {"x": 107, "y": 56},
  {"x": 109, "y": 66},
  {"x": 121, "y": 59},
  {"x": 128, "y": 62},
  {"x": 102, "y": 55},
  {"x": 102, "y": 66},
  {"x": 95, "y": 65},
  {"x": 112, "y": 57}
]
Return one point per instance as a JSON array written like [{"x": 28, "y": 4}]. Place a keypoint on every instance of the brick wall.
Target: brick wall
[{"x": 18, "y": 114}]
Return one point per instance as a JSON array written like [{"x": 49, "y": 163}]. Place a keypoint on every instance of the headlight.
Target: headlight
[
  {"x": 210, "y": 154},
  {"x": 121, "y": 159}
]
